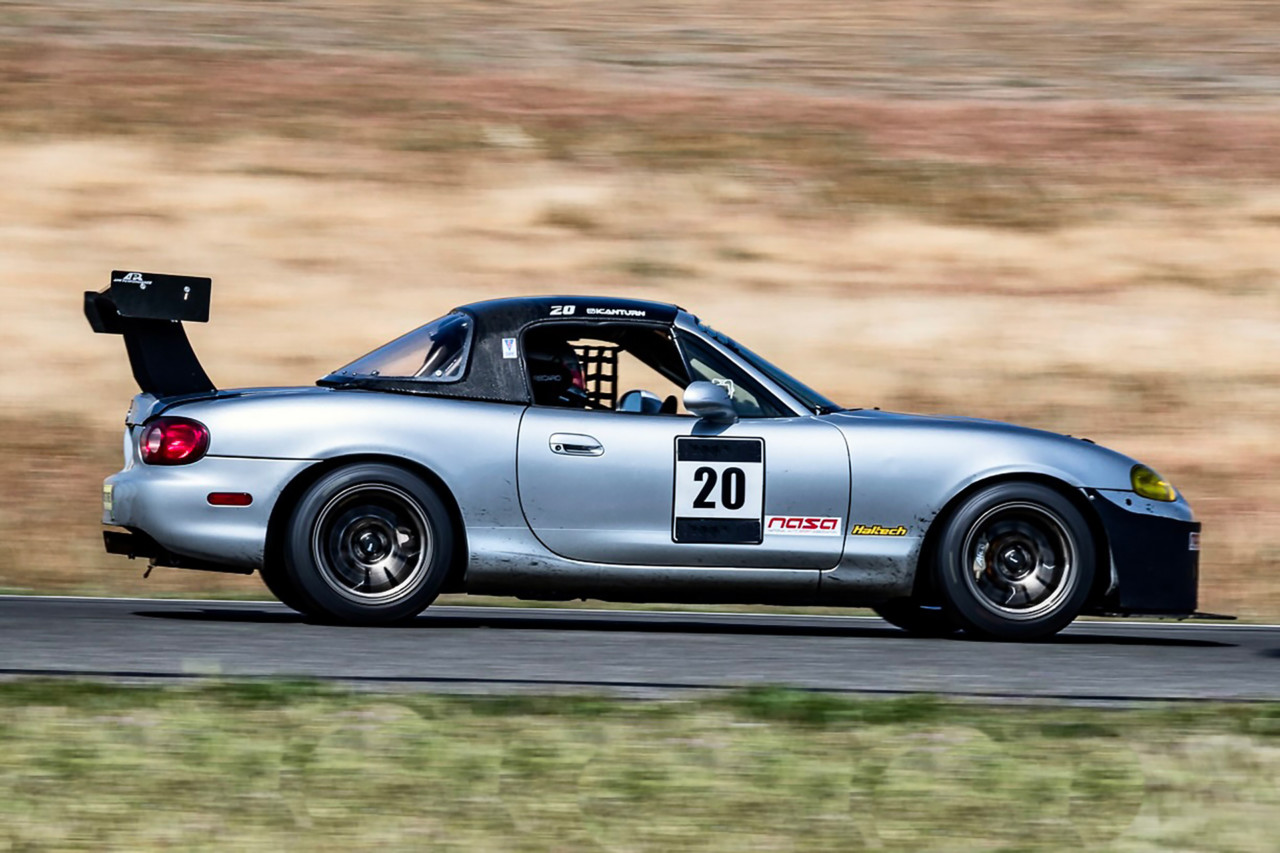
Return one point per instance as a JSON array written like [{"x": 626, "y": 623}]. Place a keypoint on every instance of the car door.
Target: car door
[{"x": 673, "y": 490}]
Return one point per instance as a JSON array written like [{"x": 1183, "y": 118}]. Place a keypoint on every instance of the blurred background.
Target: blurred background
[{"x": 1063, "y": 214}]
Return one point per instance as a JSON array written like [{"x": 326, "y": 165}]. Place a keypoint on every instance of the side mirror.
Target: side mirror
[
  {"x": 710, "y": 402},
  {"x": 640, "y": 402}
]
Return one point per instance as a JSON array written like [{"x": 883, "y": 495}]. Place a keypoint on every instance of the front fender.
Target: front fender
[{"x": 907, "y": 469}]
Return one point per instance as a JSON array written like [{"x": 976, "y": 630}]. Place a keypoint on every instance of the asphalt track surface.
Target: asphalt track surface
[{"x": 509, "y": 650}]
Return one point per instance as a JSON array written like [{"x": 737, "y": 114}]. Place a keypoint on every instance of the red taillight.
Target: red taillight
[{"x": 173, "y": 441}]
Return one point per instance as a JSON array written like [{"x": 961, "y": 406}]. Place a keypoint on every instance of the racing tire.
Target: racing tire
[
  {"x": 276, "y": 582},
  {"x": 1016, "y": 561},
  {"x": 368, "y": 544},
  {"x": 916, "y": 618}
]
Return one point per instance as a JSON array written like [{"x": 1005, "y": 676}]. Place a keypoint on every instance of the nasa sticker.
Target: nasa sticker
[{"x": 508, "y": 347}]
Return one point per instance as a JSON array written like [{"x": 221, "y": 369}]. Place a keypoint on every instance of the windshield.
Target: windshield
[
  {"x": 436, "y": 352},
  {"x": 810, "y": 399}
]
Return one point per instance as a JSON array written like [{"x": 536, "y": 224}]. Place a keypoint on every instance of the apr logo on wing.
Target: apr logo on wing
[
  {"x": 132, "y": 278},
  {"x": 802, "y": 525}
]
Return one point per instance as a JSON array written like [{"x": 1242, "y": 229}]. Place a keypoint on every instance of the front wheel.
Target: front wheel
[
  {"x": 368, "y": 544},
  {"x": 1016, "y": 561},
  {"x": 916, "y": 618}
]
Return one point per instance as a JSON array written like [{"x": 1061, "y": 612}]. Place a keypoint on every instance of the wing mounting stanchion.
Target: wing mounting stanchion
[{"x": 148, "y": 310}]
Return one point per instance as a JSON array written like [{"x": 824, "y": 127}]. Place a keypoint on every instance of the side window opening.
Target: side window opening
[
  {"x": 633, "y": 368},
  {"x": 604, "y": 367}
]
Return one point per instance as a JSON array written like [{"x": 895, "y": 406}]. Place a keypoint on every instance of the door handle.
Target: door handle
[{"x": 572, "y": 444}]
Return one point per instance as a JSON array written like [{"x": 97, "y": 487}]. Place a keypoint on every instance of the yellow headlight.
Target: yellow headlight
[{"x": 1149, "y": 484}]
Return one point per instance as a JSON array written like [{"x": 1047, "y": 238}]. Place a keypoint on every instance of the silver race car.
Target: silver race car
[{"x": 580, "y": 447}]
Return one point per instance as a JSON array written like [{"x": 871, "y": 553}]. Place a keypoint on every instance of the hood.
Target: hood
[
  {"x": 903, "y": 419},
  {"x": 981, "y": 447}
]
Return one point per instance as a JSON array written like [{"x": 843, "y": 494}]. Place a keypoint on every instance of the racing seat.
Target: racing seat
[{"x": 555, "y": 375}]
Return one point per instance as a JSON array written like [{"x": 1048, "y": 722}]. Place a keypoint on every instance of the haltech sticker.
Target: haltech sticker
[
  {"x": 802, "y": 524},
  {"x": 877, "y": 530}
]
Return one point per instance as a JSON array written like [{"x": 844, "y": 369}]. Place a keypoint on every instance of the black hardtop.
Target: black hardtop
[
  {"x": 512, "y": 314},
  {"x": 489, "y": 375},
  {"x": 492, "y": 376}
]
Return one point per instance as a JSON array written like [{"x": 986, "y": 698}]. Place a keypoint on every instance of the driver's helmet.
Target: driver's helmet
[{"x": 555, "y": 372}]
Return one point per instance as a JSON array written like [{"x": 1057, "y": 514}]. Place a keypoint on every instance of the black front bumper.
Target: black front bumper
[{"x": 1157, "y": 561}]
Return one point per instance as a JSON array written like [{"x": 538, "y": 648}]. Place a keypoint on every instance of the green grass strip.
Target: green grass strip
[{"x": 276, "y": 765}]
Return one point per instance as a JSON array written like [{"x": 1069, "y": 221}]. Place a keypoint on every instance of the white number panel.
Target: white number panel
[{"x": 719, "y": 490}]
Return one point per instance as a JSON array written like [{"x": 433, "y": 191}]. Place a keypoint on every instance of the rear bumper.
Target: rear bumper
[
  {"x": 1156, "y": 558},
  {"x": 166, "y": 509},
  {"x": 135, "y": 543}
]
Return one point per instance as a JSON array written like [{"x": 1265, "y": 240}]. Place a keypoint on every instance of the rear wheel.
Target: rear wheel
[
  {"x": 1016, "y": 561},
  {"x": 368, "y": 544},
  {"x": 278, "y": 584},
  {"x": 916, "y": 618}
]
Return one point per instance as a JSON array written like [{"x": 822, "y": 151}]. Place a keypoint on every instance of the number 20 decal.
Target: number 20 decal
[
  {"x": 563, "y": 310},
  {"x": 719, "y": 491},
  {"x": 733, "y": 488}
]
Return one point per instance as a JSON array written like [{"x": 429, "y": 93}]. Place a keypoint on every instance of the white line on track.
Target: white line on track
[
  {"x": 596, "y": 611},
  {"x": 39, "y": 597}
]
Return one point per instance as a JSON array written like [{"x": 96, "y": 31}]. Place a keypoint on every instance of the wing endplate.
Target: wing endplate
[{"x": 148, "y": 310}]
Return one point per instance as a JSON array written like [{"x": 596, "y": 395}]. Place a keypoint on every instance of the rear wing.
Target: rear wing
[{"x": 148, "y": 310}]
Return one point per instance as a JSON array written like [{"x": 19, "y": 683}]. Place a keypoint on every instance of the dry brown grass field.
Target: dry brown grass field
[{"x": 1064, "y": 214}]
